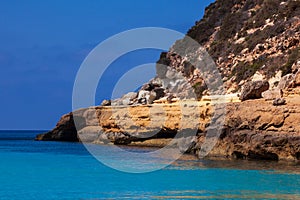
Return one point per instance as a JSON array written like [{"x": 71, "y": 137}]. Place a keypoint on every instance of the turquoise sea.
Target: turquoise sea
[{"x": 62, "y": 170}]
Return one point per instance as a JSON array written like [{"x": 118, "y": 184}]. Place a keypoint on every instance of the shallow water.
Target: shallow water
[{"x": 61, "y": 170}]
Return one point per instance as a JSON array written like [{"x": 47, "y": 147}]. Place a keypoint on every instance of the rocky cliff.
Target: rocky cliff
[
  {"x": 254, "y": 129},
  {"x": 256, "y": 47},
  {"x": 248, "y": 40}
]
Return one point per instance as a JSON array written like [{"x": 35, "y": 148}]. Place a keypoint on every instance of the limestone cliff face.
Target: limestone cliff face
[{"x": 253, "y": 129}]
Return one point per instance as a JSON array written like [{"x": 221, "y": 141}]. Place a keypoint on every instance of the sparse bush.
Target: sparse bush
[
  {"x": 245, "y": 70},
  {"x": 199, "y": 89},
  {"x": 293, "y": 57},
  {"x": 231, "y": 24}
]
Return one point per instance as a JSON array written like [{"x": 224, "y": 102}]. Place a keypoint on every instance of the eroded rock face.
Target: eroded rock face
[
  {"x": 297, "y": 79},
  {"x": 252, "y": 129},
  {"x": 254, "y": 90},
  {"x": 247, "y": 144},
  {"x": 286, "y": 82},
  {"x": 272, "y": 94},
  {"x": 65, "y": 130},
  {"x": 290, "y": 81}
]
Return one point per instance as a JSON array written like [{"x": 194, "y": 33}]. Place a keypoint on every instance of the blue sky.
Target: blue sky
[{"x": 43, "y": 43}]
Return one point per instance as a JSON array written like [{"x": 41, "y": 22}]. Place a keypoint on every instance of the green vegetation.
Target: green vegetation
[
  {"x": 199, "y": 89},
  {"x": 269, "y": 9},
  {"x": 294, "y": 55},
  {"x": 260, "y": 36},
  {"x": 232, "y": 18},
  {"x": 231, "y": 24},
  {"x": 214, "y": 15},
  {"x": 245, "y": 70}
]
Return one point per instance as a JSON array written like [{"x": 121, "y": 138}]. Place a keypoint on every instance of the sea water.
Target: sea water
[{"x": 61, "y": 170}]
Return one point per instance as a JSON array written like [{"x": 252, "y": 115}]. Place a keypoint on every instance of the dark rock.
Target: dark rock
[
  {"x": 187, "y": 144},
  {"x": 160, "y": 92},
  {"x": 147, "y": 87},
  {"x": 238, "y": 155},
  {"x": 254, "y": 90},
  {"x": 142, "y": 101},
  {"x": 65, "y": 130},
  {"x": 106, "y": 103},
  {"x": 279, "y": 102},
  {"x": 120, "y": 139},
  {"x": 262, "y": 155}
]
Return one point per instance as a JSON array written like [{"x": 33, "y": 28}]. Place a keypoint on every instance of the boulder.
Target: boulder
[
  {"x": 127, "y": 99},
  {"x": 253, "y": 90},
  {"x": 279, "y": 102},
  {"x": 143, "y": 96},
  {"x": 272, "y": 94},
  {"x": 290, "y": 80},
  {"x": 152, "y": 85},
  {"x": 286, "y": 82},
  {"x": 152, "y": 97},
  {"x": 148, "y": 97},
  {"x": 297, "y": 79},
  {"x": 147, "y": 87},
  {"x": 106, "y": 103},
  {"x": 160, "y": 92},
  {"x": 130, "y": 95},
  {"x": 116, "y": 102}
]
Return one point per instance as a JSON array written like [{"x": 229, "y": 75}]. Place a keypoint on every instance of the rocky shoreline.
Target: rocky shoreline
[{"x": 253, "y": 129}]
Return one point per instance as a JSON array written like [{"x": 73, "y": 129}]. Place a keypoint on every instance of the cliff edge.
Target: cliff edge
[{"x": 253, "y": 129}]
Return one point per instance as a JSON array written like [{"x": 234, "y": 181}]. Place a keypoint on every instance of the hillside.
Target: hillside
[{"x": 246, "y": 37}]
